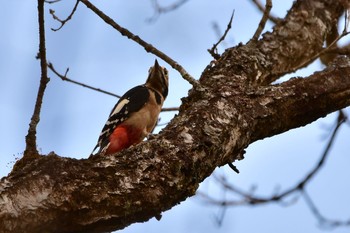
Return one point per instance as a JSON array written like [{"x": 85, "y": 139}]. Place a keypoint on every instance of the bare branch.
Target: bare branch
[
  {"x": 263, "y": 21},
  {"x": 295, "y": 57},
  {"x": 31, "y": 150},
  {"x": 168, "y": 169},
  {"x": 328, "y": 56},
  {"x": 252, "y": 199},
  {"x": 222, "y": 203},
  {"x": 346, "y": 21},
  {"x": 339, "y": 51},
  {"x": 164, "y": 9},
  {"x": 63, "y": 22},
  {"x": 301, "y": 185},
  {"x": 52, "y": 2},
  {"x": 217, "y": 31},
  {"x": 148, "y": 47},
  {"x": 213, "y": 50},
  {"x": 170, "y": 109},
  {"x": 65, "y": 78},
  {"x": 212, "y": 128},
  {"x": 331, "y": 42},
  {"x": 274, "y": 19},
  {"x": 324, "y": 222}
]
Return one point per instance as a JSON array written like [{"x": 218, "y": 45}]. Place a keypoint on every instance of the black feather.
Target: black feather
[{"x": 158, "y": 98}]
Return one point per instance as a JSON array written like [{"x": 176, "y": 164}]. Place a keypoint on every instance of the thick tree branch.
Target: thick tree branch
[
  {"x": 292, "y": 43},
  {"x": 214, "y": 125},
  {"x": 314, "y": 84},
  {"x": 147, "y": 179}
]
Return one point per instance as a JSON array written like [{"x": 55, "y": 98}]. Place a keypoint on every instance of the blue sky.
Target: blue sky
[{"x": 72, "y": 116}]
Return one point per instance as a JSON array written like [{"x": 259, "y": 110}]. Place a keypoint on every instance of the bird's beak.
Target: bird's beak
[{"x": 156, "y": 65}]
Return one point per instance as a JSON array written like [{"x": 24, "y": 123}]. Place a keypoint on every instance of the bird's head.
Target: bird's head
[{"x": 158, "y": 79}]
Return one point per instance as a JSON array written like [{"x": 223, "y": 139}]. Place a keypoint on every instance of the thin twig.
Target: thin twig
[
  {"x": 31, "y": 149},
  {"x": 312, "y": 173},
  {"x": 251, "y": 199},
  {"x": 217, "y": 31},
  {"x": 263, "y": 21},
  {"x": 339, "y": 51},
  {"x": 164, "y": 9},
  {"x": 346, "y": 19},
  {"x": 274, "y": 19},
  {"x": 325, "y": 222},
  {"x": 148, "y": 47},
  {"x": 299, "y": 186},
  {"x": 222, "y": 203},
  {"x": 213, "y": 50},
  {"x": 63, "y": 22},
  {"x": 65, "y": 78},
  {"x": 52, "y": 2},
  {"x": 170, "y": 109}
]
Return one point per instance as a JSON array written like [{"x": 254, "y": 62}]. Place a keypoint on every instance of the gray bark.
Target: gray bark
[{"x": 236, "y": 106}]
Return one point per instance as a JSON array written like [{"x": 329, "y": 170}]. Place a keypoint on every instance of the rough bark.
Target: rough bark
[{"x": 234, "y": 108}]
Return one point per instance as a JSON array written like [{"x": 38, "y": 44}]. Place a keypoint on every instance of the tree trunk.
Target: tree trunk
[{"x": 235, "y": 106}]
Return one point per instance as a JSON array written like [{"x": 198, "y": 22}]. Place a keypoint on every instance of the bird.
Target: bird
[{"x": 135, "y": 114}]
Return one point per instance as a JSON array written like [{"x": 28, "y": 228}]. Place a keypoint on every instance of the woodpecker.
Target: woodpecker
[{"x": 135, "y": 114}]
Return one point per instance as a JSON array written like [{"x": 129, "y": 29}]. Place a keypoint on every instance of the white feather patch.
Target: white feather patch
[{"x": 120, "y": 106}]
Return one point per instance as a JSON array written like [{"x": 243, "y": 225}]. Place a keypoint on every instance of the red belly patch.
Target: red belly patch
[{"x": 123, "y": 137}]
